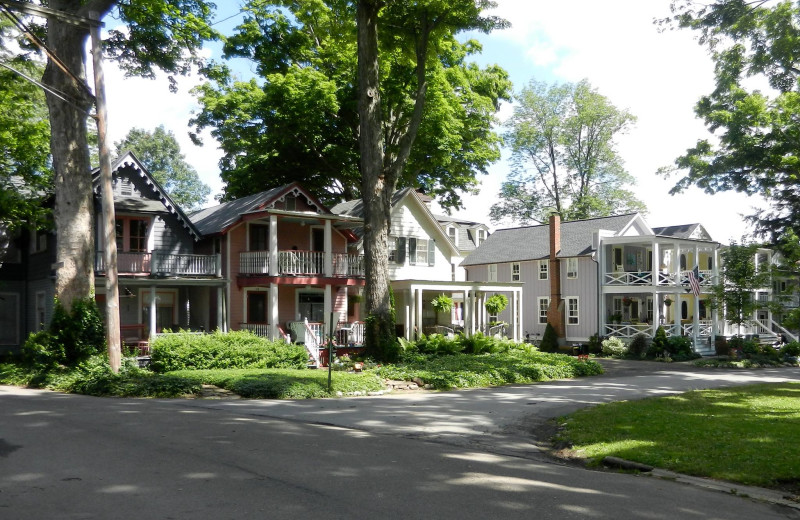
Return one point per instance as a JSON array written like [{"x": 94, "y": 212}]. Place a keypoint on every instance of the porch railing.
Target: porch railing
[
  {"x": 664, "y": 279},
  {"x": 259, "y": 329},
  {"x": 301, "y": 263},
  {"x": 161, "y": 263},
  {"x": 628, "y": 330}
]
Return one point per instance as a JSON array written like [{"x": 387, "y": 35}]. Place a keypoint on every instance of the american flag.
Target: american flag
[{"x": 694, "y": 280}]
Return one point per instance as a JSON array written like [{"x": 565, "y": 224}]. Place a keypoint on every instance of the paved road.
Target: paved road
[{"x": 421, "y": 455}]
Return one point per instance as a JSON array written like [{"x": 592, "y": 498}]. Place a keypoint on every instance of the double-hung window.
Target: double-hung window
[
  {"x": 572, "y": 310},
  {"x": 421, "y": 251},
  {"x": 544, "y": 304},
  {"x": 492, "y": 273},
  {"x": 131, "y": 234},
  {"x": 516, "y": 272},
  {"x": 397, "y": 250},
  {"x": 572, "y": 268},
  {"x": 544, "y": 269}
]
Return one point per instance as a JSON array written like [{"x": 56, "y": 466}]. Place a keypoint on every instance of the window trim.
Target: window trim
[
  {"x": 518, "y": 276},
  {"x": 569, "y": 315},
  {"x": 572, "y": 260},
  {"x": 544, "y": 269},
  {"x": 491, "y": 273},
  {"x": 543, "y": 317}
]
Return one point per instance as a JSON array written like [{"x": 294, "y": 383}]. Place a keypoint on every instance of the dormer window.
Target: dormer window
[
  {"x": 481, "y": 236},
  {"x": 451, "y": 232}
]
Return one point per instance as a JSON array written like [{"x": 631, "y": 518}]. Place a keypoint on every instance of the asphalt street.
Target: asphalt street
[{"x": 467, "y": 454}]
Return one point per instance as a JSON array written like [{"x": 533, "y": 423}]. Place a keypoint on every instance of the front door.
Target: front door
[{"x": 311, "y": 306}]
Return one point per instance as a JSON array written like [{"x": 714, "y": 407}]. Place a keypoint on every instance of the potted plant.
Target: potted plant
[
  {"x": 496, "y": 304},
  {"x": 442, "y": 303},
  {"x": 667, "y": 301},
  {"x": 615, "y": 318},
  {"x": 626, "y": 301}
]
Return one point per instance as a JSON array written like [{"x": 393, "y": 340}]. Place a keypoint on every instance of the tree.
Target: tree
[
  {"x": 159, "y": 34},
  {"x": 299, "y": 120},
  {"x": 386, "y": 139},
  {"x": 734, "y": 294},
  {"x": 563, "y": 156},
  {"x": 754, "y": 147},
  {"x": 161, "y": 154}
]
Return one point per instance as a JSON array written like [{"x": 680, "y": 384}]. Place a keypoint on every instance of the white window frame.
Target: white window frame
[
  {"x": 491, "y": 273},
  {"x": 617, "y": 267},
  {"x": 516, "y": 272},
  {"x": 573, "y": 318},
  {"x": 572, "y": 268},
  {"x": 481, "y": 237},
  {"x": 544, "y": 269},
  {"x": 544, "y": 304},
  {"x": 452, "y": 233}
]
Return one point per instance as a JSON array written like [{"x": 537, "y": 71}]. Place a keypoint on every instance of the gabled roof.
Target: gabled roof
[
  {"x": 466, "y": 231},
  {"x": 355, "y": 208},
  {"x": 219, "y": 218},
  {"x": 164, "y": 202},
  {"x": 683, "y": 231},
  {"x": 533, "y": 242}
]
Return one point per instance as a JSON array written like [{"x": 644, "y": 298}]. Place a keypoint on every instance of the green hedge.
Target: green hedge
[{"x": 239, "y": 349}]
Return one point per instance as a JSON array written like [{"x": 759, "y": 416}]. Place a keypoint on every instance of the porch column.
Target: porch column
[
  {"x": 696, "y": 299},
  {"x": 220, "y": 316},
  {"x": 153, "y": 309},
  {"x": 520, "y": 314},
  {"x": 466, "y": 313},
  {"x": 418, "y": 309},
  {"x": 656, "y": 267},
  {"x": 327, "y": 308},
  {"x": 514, "y": 310},
  {"x": 601, "y": 319},
  {"x": 409, "y": 327},
  {"x": 274, "y": 319},
  {"x": 273, "y": 245},
  {"x": 656, "y": 313},
  {"x": 328, "y": 255}
]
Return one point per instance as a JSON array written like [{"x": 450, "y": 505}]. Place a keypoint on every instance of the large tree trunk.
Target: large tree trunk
[
  {"x": 375, "y": 191},
  {"x": 72, "y": 175}
]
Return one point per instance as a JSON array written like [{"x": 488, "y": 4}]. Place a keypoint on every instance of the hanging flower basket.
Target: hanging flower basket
[
  {"x": 627, "y": 301},
  {"x": 667, "y": 302}
]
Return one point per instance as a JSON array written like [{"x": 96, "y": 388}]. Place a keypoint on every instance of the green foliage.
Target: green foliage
[
  {"x": 791, "y": 349},
  {"x": 496, "y": 304},
  {"x": 518, "y": 365},
  {"x": 660, "y": 344},
  {"x": 299, "y": 119},
  {"x": 549, "y": 341},
  {"x": 381, "y": 337},
  {"x": 160, "y": 153},
  {"x": 680, "y": 348},
  {"x": 715, "y": 422},
  {"x": 238, "y": 349},
  {"x": 595, "y": 344},
  {"x": 754, "y": 145},
  {"x": 563, "y": 156},
  {"x": 739, "y": 280},
  {"x": 71, "y": 338},
  {"x": 639, "y": 345},
  {"x": 614, "y": 346},
  {"x": 442, "y": 303}
]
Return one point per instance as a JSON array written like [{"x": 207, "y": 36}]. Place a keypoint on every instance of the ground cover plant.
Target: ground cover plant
[
  {"x": 446, "y": 363},
  {"x": 747, "y": 434}
]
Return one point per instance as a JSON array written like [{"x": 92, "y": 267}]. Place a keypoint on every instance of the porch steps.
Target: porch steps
[{"x": 705, "y": 349}]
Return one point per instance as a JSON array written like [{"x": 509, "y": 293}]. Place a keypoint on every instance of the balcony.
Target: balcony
[
  {"x": 642, "y": 278},
  {"x": 301, "y": 263},
  {"x": 160, "y": 263}
]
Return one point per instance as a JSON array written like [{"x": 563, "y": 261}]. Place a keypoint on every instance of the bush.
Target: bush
[
  {"x": 549, "y": 340},
  {"x": 791, "y": 349},
  {"x": 595, "y": 344},
  {"x": 638, "y": 345},
  {"x": 238, "y": 349},
  {"x": 659, "y": 346},
  {"x": 72, "y": 337},
  {"x": 680, "y": 348},
  {"x": 613, "y": 346}
]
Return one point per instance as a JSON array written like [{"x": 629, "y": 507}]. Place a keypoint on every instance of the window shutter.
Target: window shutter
[
  {"x": 431, "y": 251},
  {"x": 412, "y": 251},
  {"x": 401, "y": 250}
]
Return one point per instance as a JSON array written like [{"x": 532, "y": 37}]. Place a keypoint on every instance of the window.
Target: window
[
  {"x": 38, "y": 241},
  {"x": 481, "y": 236},
  {"x": 310, "y": 306},
  {"x": 650, "y": 310},
  {"x": 544, "y": 269},
  {"x": 684, "y": 310},
  {"x": 421, "y": 251},
  {"x": 256, "y": 307},
  {"x": 492, "y": 273},
  {"x": 291, "y": 203},
  {"x": 516, "y": 274},
  {"x": 544, "y": 304},
  {"x": 572, "y": 310},
  {"x": 9, "y": 319},
  {"x": 572, "y": 268},
  {"x": 683, "y": 262},
  {"x": 617, "y": 306},
  {"x": 451, "y": 232},
  {"x": 710, "y": 263},
  {"x": 397, "y": 250},
  {"x": 41, "y": 318},
  {"x": 616, "y": 255},
  {"x": 259, "y": 237},
  {"x": 131, "y": 234}
]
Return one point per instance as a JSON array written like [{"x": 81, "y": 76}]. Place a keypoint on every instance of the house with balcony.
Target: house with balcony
[
  {"x": 291, "y": 263},
  {"x": 425, "y": 260},
  {"x": 163, "y": 282}
]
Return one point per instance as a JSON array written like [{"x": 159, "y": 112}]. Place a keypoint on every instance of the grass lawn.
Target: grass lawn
[{"x": 748, "y": 434}]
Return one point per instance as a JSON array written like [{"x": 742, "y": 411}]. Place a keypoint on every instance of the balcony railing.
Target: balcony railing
[
  {"x": 160, "y": 263},
  {"x": 301, "y": 263},
  {"x": 638, "y": 278}
]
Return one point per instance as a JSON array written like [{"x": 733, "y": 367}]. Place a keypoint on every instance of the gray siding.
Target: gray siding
[{"x": 169, "y": 235}]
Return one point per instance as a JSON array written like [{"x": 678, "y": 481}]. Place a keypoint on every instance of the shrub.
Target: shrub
[
  {"x": 659, "y": 346},
  {"x": 791, "y": 349},
  {"x": 638, "y": 345},
  {"x": 680, "y": 348},
  {"x": 613, "y": 346},
  {"x": 595, "y": 344},
  {"x": 239, "y": 349},
  {"x": 72, "y": 337},
  {"x": 549, "y": 340}
]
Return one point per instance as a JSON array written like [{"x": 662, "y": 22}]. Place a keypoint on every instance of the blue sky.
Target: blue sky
[{"x": 613, "y": 44}]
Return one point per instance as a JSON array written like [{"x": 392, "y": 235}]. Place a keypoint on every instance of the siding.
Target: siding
[{"x": 406, "y": 223}]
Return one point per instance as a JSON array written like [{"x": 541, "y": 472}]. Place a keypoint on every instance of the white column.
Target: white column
[
  {"x": 412, "y": 310},
  {"x": 153, "y": 309},
  {"x": 409, "y": 328},
  {"x": 328, "y": 262},
  {"x": 514, "y": 304},
  {"x": 466, "y": 314},
  {"x": 418, "y": 309},
  {"x": 656, "y": 266},
  {"x": 327, "y": 308},
  {"x": 220, "y": 316},
  {"x": 520, "y": 316},
  {"x": 274, "y": 320},
  {"x": 273, "y": 245}
]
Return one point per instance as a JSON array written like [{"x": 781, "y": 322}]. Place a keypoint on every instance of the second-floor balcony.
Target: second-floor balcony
[
  {"x": 641, "y": 278},
  {"x": 162, "y": 263},
  {"x": 301, "y": 263}
]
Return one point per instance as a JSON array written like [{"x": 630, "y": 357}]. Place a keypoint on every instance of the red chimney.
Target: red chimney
[{"x": 555, "y": 312}]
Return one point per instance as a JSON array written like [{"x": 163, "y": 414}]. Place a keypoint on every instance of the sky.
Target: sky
[{"x": 614, "y": 44}]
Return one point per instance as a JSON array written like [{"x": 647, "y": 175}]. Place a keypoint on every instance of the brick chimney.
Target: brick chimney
[{"x": 555, "y": 312}]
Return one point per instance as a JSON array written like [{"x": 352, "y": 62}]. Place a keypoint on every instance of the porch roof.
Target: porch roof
[{"x": 432, "y": 285}]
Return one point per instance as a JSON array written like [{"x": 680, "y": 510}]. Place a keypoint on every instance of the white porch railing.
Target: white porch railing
[
  {"x": 664, "y": 279},
  {"x": 301, "y": 263},
  {"x": 705, "y": 328},
  {"x": 629, "y": 278},
  {"x": 163, "y": 263},
  {"x": 259, "y": 329},
  {"x": 628, "y": 330}
]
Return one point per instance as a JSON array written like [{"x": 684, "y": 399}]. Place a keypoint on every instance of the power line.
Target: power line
[{"x": 66, "y": 98}]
